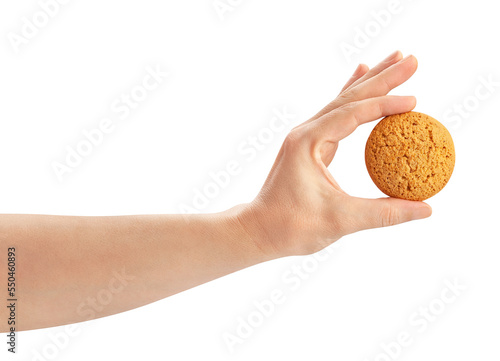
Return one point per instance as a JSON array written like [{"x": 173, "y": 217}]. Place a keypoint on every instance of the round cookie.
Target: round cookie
[{"x": 410, "y": 156}]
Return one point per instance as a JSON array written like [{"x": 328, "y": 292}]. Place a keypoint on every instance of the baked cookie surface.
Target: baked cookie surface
[{"x": 410, "y": 156}]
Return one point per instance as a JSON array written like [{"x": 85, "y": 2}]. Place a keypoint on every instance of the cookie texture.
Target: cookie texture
[{"x": 410, "y": 156}]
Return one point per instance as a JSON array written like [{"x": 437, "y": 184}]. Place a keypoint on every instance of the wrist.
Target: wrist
[{"x": 256, "y": 224}]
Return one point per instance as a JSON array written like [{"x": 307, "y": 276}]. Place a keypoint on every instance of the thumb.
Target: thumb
[{"x": 382, "y": 212}]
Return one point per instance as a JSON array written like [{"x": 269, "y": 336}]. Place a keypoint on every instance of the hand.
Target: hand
[{"x": 301, "y": 208}]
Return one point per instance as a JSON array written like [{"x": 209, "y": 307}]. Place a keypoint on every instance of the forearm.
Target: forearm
[{"x": 71, "y": 269}]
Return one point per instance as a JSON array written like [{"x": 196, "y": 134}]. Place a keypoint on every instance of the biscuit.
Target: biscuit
[{"x": 410, "y": 156}]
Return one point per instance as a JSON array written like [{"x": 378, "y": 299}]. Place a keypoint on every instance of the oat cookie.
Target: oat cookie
[{"x": 410, "y": 156}]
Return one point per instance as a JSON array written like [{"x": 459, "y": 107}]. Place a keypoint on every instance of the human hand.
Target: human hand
[{"x": 301, "y": 208}]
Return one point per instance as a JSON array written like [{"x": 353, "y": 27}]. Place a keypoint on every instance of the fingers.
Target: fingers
[
  {"x": 384, "y": 64},
  {"x": 382, "y": 212},
  {"x": 360, "y": 71},
  {"x": 384, "y": 82},
  {"x": 341, "y": 100},
  {"x": 341, "y": 122}
]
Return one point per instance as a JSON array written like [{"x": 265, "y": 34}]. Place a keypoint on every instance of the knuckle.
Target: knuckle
[
  {"x": 347, "y": 96},
  {"x": 348, "y": 107},
  {"x": 351, "y": 93},
  {"x": 380, "y": 107},
  {"x": 385, "y": 84},
  {"x": 293, "y": 140},
  {"x": 350, "y": 112},
  {"x": 389, "y": 216}
]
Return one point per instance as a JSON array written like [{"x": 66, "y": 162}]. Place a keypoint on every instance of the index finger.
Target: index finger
[{"x": 341, "y": 122}]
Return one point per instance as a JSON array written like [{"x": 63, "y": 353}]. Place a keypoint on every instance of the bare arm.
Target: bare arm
[{"x": 71, "y": 269}]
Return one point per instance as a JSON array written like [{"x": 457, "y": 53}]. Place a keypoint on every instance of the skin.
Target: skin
[{"x": 72, "y": 269}]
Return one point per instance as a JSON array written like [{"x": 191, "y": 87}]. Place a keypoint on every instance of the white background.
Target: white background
[{"x": 226, "y": 75}]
